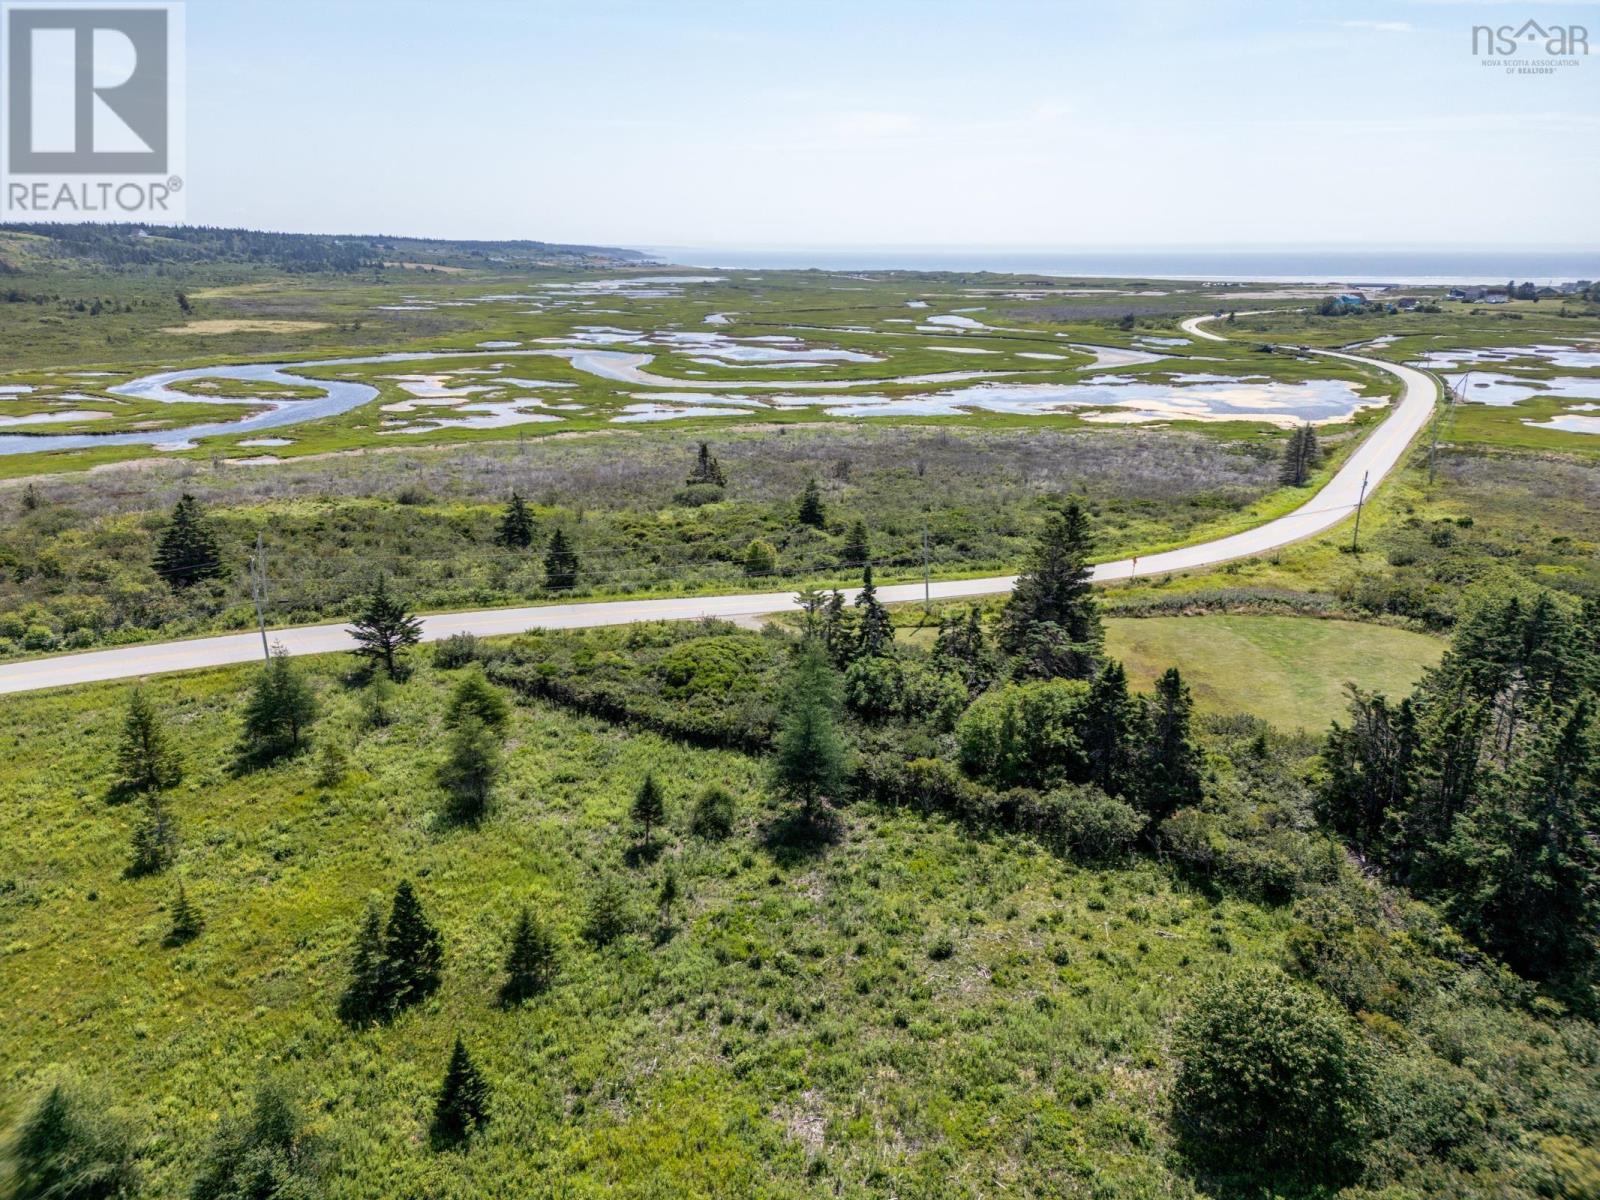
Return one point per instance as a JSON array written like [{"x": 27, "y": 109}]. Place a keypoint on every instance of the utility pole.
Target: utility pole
[
  {"x": 258, "y": 592},
  {"x": 1355, "y": 542},
  {"x": 927, "y": 585}
]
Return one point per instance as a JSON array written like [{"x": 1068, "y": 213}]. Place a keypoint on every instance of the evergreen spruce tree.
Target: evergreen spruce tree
[
  {"x": 808, "y": 761},
  {"x": 649, "y": 807},
  {"x": 146, "y": 759},
  {"x": 413, "y": 954},
  {"x": 267, "y": 1155},
  {"x": 1109, "y": 729},
  {"x": 463, "y": 1103},
  {"x": 1051, "y": 622},
  {"x": 470, "y": 770},
  {"x": 874, "y": 629},
  {"x": 515, "y": 530},
  {"x": 1523, "y": 868},
  {"x": 366, "y": 996},
  {"x": 279, "y": 709},
  {"x": 530, "y": 960},
  {"x": 155, "y": 840},
  {"x": 812, "y": 512},
  {"x": 186, "y": 919},
  {"x": 560, "y": 564},
  {"x": 1170, "y": 770},
  {"x": 187, "y": 551},
  {"x": 962, "y": 647},
  {"x": 383, "y": 628},
  {"x": 1300, "y": 454},
  {"x": 707, "y": 470},
  {"x": 838, "y": 630},
  {"x": 607, "y": 916},
  {"x": 1371, "y": 768},
  {"x": 857, "y": 548},
  {"x": 67, "y": 1148},
  {"x": 475, "y": 696}
]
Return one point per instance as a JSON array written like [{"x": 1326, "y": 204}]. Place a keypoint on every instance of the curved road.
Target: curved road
[{"x": 1372, "y": 460}]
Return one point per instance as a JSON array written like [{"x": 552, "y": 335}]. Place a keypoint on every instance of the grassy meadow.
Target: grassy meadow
[
  {"x": 918, "y": 1007},
  {"x": 1288, "y": 671}
]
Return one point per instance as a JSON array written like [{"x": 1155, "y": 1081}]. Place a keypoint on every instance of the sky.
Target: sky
[{"x": 890, "y": 122}]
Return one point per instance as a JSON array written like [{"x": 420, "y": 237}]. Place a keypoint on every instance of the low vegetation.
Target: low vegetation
[{"x": 850, "y": 912}]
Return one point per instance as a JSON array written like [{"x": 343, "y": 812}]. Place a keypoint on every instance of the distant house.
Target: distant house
[
  {"x": 1406, "y": 303},
  {"x": 1469, "y": 294},
  {"x": 1351, "y": 299},
  {"x": 1497, "y": 296}
]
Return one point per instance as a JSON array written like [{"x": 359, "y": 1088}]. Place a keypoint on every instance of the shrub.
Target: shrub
[
  {"x": 697, "y": 495},
  {"x": 1272, "y": 1078},
  {"x": 1025, "y": 734},
  {"x": 760, "y": 558},
  {"x": 475, "y": 696},
  {"x": 713, "y": 814},
  {"x": 937, "y": 697},
  {"x": 457, "y": 650},
  {"x": 874, "y": 687},
  {"x": 716, "y": 666},
  {"x": 1092, "y": 824}
]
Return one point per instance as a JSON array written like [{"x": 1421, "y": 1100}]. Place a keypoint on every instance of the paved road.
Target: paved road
[{"x": 1374, "y": 459}]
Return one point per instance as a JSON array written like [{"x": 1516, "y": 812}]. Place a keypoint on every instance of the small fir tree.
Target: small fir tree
[
  {"x": 383, "y": 628},
  {"x": 515, "y": 530},
  {"x": 649, "y": 807},
  {"x": 146, "y": 759},
  {"x": 811, "y": 511},
  {"x": 463, "y": 1103},
  {"x": 560, "y": 564},
  {"x": 530, "y": 960},
  {"x": 186, "y": 550},
  {"x": 412, "y": 951},
  {"x": 470, "y": 769}
]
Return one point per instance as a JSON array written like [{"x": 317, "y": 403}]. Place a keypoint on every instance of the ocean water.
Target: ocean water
[{"x": 1351, "y": 266}]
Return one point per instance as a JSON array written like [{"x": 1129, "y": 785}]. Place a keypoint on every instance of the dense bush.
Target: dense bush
[
  {"x": 1091, "y": 824},
  {"x": 1026, "y": 734},
  {"x": 713, "y": 814},
  {"x": 1272, "y": 1078}
]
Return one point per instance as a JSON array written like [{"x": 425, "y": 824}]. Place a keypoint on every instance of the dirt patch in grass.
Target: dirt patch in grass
[{"x": 243, "y": 325}]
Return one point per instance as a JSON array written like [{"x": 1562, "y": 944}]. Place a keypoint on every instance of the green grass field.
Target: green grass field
[
  {"x": 1290, "y": 671},
  {"x": 788, "y": 1033}
]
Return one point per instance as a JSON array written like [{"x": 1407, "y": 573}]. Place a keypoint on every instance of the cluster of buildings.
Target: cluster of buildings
[{"x": 1526, "y": 291}]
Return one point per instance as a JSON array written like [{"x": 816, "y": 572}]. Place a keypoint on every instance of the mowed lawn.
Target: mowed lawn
[{"x": 1290, "y": 671}]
